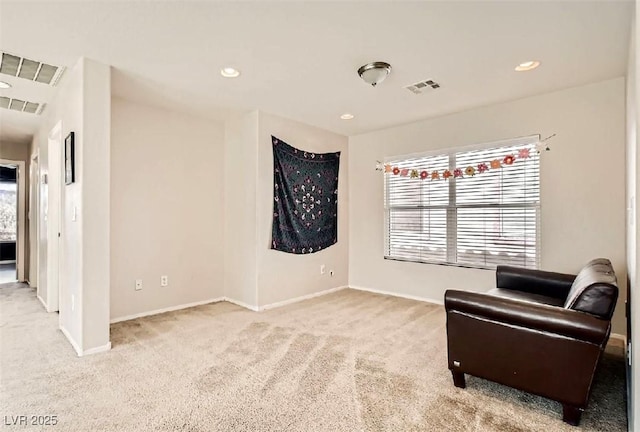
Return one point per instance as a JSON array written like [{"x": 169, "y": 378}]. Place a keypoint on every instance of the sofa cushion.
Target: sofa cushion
[{"x": 595, "y": 289}]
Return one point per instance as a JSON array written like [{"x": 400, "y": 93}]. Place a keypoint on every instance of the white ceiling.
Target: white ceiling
[{"x": 299, "y": 60}]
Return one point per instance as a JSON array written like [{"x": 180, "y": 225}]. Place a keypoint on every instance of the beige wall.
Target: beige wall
[
  {"x": 283, "y": 276},
  {"x": 15, "y": 151},
  {"x": 633, "y": 219},
  {"x": 66, "y": 109},
  {"x": 96, "y": 200},
  {"x": 256, "y": 275},
  {"x": 240, "y": 217},
  {"x": 69, "y": 110},
  {"x": 582, "y": 187},
  {"x": 167, "y": 180},
  {"x": 82, "y": 105}
]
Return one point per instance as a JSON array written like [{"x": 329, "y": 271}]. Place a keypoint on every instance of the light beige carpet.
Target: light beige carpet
[{"x": 349, "y": 361}]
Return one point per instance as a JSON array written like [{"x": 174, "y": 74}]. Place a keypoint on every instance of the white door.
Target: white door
[
  {"x": 34, "y": 186},
  {"x": 53, "y": 217},
  {"x": 43, "y": 231}
]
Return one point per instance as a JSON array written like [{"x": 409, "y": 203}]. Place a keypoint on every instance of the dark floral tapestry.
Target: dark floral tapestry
[{"x": 305, "y": 199}]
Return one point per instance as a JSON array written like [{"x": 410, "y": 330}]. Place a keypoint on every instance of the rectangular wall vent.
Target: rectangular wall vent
[
  {"x": 423, "y": 86},
  {"x": 31, "y": 70},
  {"x": 22, "y": 106}
]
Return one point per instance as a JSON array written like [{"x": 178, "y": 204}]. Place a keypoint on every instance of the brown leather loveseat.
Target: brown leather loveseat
[{"x": 538, "y": 331}]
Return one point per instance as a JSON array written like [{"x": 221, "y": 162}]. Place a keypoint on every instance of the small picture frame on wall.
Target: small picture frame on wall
[{"x": 69, "y": 159}]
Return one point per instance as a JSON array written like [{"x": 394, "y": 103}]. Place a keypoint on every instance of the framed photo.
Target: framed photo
[{"x": 69, "y": 159}]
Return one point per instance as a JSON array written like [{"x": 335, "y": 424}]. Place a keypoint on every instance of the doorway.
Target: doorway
[
  {"x": 49, "y": 221},
  {"x": 12, "y": 229},
  {"x": 8, "y": 223}
]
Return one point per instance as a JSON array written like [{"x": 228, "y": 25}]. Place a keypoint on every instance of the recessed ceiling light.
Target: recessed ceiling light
[
  {"x": 527, "y": 66},
  {"x": 346, "y": 116},
  {"x": 229, "y": 72},
  {"x": 4, "y": 85}
]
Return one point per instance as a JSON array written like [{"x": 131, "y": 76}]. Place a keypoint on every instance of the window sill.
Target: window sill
[{"x": 440, "y": 263}]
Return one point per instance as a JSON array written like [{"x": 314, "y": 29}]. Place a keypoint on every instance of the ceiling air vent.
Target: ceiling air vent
[
  {"x": 423, "y": 86},
  {"x": 30, "y": 69},
  {"x": 22, "y": 106}
]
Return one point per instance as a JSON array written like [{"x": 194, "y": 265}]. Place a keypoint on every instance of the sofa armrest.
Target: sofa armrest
[
  {"x": 550, "y": 319},
  {"x": 549, "y": 284}
]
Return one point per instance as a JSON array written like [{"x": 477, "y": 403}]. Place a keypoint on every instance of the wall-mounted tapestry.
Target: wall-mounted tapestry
[{"x": 305, "y": 199}]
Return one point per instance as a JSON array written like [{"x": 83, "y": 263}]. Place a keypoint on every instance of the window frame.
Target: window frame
[{"x": 452, "y": 206}]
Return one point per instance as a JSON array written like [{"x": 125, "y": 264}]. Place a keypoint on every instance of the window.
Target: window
[
  {"x": 8, "y": 211},
  {"x": 480, "y": 220}
]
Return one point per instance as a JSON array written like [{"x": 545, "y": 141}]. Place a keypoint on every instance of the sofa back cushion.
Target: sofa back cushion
[{"x": 595, "y": 289}]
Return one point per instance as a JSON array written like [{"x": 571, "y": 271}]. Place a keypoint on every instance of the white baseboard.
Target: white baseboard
[
  {"x": 618, "y": 339},
  {"x": 46, "y": 308},
  {"x": 97, "y": 350},
  {"x": 266, "y": 307},
  {"x": 394, "y": 294},
  {"x": 167, "y": 309},
  {"x": 74, "y": 344},
  {"x": 301, "y": 298},
  {"x": 284, "y": 302},
  {"x": 242, "y": 304},
  {"x": 618, "y": 336},
  {"x": 79, "y": 351}
]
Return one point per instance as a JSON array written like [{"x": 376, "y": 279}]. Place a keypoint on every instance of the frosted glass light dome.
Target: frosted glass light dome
[{"x": 374, "y": 73}]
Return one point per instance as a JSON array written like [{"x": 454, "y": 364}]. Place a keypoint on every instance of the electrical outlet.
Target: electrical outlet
[
  {"x": 138, "y": 284},
  {"x": 164, "y": 281},
  {"x": 331, "y": 273},
  {"x": 322, "y": 269}
]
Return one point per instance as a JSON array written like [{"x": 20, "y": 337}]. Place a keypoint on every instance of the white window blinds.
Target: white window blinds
[{"x": 483, "y": 220}]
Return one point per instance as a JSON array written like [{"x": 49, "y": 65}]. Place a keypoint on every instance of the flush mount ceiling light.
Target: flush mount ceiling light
[
  {"x": 527, "y": 66},
  {"x": 4, "y": 85},
  {"x": 374, "y": 73},
  {"x": 346, "y": 116},
  {"x": 229, "y": 72}
]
